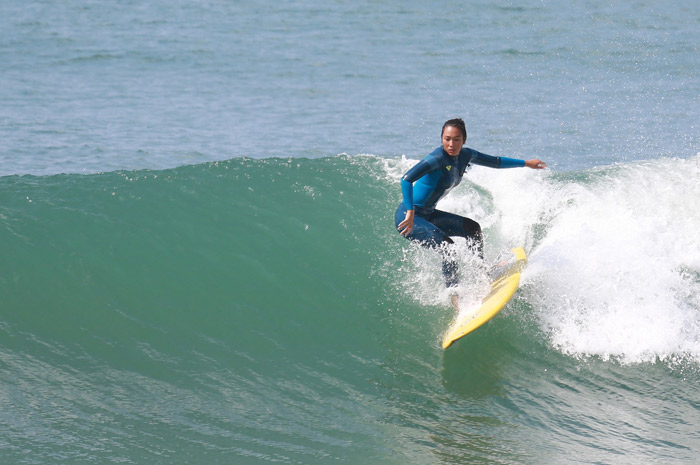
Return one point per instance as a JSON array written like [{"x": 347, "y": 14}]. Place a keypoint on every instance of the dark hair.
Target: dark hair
[{"x": 457, "y": 123}]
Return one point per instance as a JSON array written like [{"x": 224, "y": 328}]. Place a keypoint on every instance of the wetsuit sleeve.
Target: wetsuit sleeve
[
  {"x": 482, "y": 159},
  {"x": 423, "y": 167}
]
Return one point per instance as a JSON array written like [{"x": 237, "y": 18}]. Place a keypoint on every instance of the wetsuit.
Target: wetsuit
[{"x": 435, "y": 176}]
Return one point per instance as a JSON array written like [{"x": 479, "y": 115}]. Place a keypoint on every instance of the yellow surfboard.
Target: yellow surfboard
[{"x": 502, "y": 289}]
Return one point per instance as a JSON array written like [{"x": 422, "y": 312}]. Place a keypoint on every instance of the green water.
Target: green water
[{"x": 255, "y": 311}]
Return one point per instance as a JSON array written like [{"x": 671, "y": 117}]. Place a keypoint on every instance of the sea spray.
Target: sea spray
[{"x": 617, "y": 268}]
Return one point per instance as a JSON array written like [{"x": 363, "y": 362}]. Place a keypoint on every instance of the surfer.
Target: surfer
[{"x": 430, "y": 180}]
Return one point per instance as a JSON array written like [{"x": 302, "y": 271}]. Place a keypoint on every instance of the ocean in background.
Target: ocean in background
[
  {"x": 90, "y": 86},
  {"x": 199, "y": 264}
]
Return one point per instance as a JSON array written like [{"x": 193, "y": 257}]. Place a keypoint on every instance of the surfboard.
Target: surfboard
[{"x": 503, "y": 287}]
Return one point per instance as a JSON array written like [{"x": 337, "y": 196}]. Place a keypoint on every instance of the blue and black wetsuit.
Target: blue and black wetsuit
[{"x": 429, "y": 181}]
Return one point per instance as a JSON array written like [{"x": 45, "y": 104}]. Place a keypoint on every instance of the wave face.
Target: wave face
[{"x": 254, "y": 311}]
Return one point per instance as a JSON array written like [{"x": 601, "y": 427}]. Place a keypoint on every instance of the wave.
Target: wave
[
  {"x": 265, "y": 250},
  {"x": 267, "y": 310}
]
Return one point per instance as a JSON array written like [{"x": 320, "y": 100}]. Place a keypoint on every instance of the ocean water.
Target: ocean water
[{"x": 199, "y": 265}]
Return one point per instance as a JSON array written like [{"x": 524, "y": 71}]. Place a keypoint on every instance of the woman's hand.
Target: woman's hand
[
  {"x": 406, "y": 226},
  {"x": 536, "y": 164}
]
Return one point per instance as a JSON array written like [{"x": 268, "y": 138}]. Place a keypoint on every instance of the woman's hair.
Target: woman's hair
[{"x": 457, "y": 123}]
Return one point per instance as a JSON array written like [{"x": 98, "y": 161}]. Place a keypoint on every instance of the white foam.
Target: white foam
[
  {"x": 614, "y": 266},
  {"x": 616, "y": 273}
]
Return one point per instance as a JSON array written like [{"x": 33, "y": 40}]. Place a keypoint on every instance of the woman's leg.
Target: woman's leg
[
  {"x": 455, "y": 225},
  {"x": 429, "y": 235}
]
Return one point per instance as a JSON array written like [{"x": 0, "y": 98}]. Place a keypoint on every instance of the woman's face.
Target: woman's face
[{"x": 452, "y": 140}]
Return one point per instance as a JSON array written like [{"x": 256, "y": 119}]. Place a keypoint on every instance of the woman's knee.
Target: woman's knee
[{"x": 471, "y": 228}]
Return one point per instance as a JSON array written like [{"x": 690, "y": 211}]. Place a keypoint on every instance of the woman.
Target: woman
[{"x": 430, "y": 180}]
